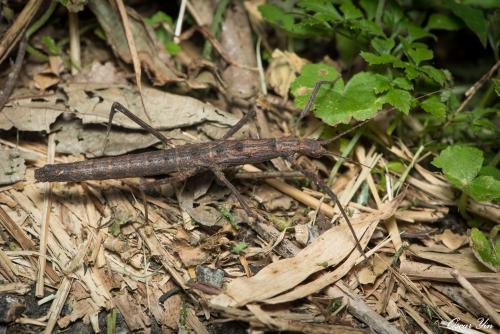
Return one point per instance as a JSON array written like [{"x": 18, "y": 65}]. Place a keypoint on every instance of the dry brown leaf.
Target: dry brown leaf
[
  {"x": 12, "y": 168},
  {"x": 191, "y": 256},
  {"x": 43, "y": 81},
  {"x": 462, "y": 260},
  {"x": 285, "y": 274},
  {"x": 452, "y": 240},
  {"x": 282, "y": 71},
  {"x": 101, "y": 73}
]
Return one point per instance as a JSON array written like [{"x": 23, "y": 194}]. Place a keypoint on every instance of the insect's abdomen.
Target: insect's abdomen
[{"x": 132, "y": 165}]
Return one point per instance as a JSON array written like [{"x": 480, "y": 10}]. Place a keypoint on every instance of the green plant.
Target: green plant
[
  {"x": 395, "y": 39},
  {"x": 163, "y": 25}
]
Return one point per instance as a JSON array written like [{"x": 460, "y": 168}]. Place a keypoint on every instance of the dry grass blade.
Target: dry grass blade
[{"x": 133, "y": 51}]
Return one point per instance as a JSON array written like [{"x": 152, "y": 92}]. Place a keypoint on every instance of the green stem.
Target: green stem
[
  {"x": 215, "y": 26},
  {"x": 462, "y": 205},
  {"x": 42, "y": 20}
]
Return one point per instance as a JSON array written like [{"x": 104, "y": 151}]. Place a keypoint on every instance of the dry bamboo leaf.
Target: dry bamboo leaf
[
  {"x": 462, "y": 260},
  {"x": 285, "y": 274}
]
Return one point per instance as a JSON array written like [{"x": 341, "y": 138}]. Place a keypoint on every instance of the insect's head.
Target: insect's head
[{"x": 312, "y": 148}]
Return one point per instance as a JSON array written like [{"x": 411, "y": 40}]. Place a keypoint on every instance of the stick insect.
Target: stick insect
[{"x": 190, "y": 159}]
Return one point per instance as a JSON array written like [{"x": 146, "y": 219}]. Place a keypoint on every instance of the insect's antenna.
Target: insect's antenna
[
  {"x": 310, "y": 102},
  {"x": 340, "y": 135},
  {"x": 349, "y": 160}
]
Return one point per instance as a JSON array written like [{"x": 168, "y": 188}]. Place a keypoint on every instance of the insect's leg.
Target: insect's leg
[
  {"x": 310, "y": 102},
  {"x": 221, "y": 177},
  {"x": 320, "y": 183},
  {"x": 118, "y": 107},
  {"x": 240, "y": 124},
  {"x": 181, "y": 176}
]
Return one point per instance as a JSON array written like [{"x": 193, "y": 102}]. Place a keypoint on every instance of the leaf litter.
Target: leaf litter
[{"x": 199, "y": 258}]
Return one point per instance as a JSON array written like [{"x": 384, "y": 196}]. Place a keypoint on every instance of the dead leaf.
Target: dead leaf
[
  {"x": 282, "y": 71},
  {"x": 191, "y": 256},
  {"x": 92, "y": 104},
  {"x": 43, "y": 81},
  {"x": 461, "y": 260},
  {"x": 452, "y": 240},
  {"x": 145, "y": 43},
  {"x": 101, "y": 73},
  {"x": 12, "y": 168},
  {"x": 31, "y": 114},
  {"x": 285, "y": 274},
  {"x": 273, "y": 199}
]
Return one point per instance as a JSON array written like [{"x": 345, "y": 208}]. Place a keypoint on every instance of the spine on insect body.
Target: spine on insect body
[{"x": 132, "y": 165}]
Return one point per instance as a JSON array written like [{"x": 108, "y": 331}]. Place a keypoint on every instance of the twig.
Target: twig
[
  {"x": 475, "y": 88},
  {"x": 180, "y": 19},
  {"x": 13, "y": 75},
  {"x": 18, "y": 27},
  {"x": 44, "y": 227},
  {"x": 477, "y": 296},
  {"x": 133, "y": 52}
]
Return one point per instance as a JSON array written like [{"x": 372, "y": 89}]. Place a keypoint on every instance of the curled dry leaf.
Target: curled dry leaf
[
  {"x": 282, "y": 71},
  {"x": 452, "y": 240}
]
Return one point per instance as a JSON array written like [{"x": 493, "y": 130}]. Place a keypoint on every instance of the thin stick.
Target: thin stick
[
  {"x": 180, "y": 19},
  {"x": 477, "y": 296},
  {"x": 44, "y": 227},
  {"x": 133, "y": 52}
]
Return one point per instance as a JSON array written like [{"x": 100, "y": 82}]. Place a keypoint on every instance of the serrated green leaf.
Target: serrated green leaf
[
  {"x": 460, "y": 164},
  {"x": 411, "y": 71},
  {"x": 415, "y": 32},
  {"x": 435, "y": 107},
  {"x": 374, "y": 59},
  {"x": 434, "y": 74},
  {"x": 420, "y": 54},
  {"x": 399, "y": 99},
  {"x": 370, "y": 8},
  {"x": 322, "y": 7},
  {"x": 442, "y": 22},
  {"x": 472, "y": 17},
  {"x": 302, "y": 87},
  {"x": 484, "y": 189},
  {"x": 402, "y": 83},
  {"x": 356, "y": 100},
  {"x": 350, "y": 11},
  {"x": 484, "y": 250},
  {"x": 370, "y": 27},
  {"x": 382, "y": 45}
]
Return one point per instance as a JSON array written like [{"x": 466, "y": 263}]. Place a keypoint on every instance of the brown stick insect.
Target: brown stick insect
[{"x": 190, "y": 159}]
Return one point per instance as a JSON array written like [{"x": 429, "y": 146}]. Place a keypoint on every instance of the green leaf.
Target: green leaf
[
  {"x": 356, "y": 100},
  {"x": 400, "y": 99},
  {"x": 497, "y": 86},
  {"x": 434, "y": 74},
  {"x": 309, "y": 27},
  {"x": 460, "y": 164},
  {"x": 419, "y": 54},
  {"x": 382, "y": 45},
  {"x": 435, "y": 107},
  {"x": 415, "y": 32},
  {"x": 239, "y": 248},
  {"x": 484, "y": 189},
  {"x": 172, "y": 48},
  {"x": 484, "y": 250},
  {"x": 490, "y": 171},
  {"x": 374, "y": 59},
  {"x": 473, "y": 18},
  {"x": 370, "y": 8},
  {"x": 402, "y": 83},
  {"x": 324, "y": 8},
  {"x": 302, "y": 87},
  {"x": 159, "y": 17},
  {"x": 350, "y": 11},
  {"x": 443, "y": 22},
  {"x": 51, "y": 45}
]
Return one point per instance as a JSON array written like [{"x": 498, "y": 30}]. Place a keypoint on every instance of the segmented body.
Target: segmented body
[{"x": 221, "y": 154}]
